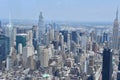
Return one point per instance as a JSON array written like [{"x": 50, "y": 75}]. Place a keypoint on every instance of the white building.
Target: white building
[{"x": 44, "y": 57}]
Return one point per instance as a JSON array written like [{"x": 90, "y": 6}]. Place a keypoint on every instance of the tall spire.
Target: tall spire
[
  {"x": 117, "y": 14},
  {"x": 9, "y": 18}
]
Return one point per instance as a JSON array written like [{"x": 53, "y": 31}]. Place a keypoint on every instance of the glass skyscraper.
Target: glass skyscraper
[
  {"x": 4, "y": 47},
  {"x": 107, "y": 67}
]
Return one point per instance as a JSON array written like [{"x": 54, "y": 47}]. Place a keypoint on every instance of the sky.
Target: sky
[{"x": 60, "y": 10}]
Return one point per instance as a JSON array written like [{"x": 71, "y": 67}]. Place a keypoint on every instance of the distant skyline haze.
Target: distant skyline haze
[{"x": 60, "y": 10}]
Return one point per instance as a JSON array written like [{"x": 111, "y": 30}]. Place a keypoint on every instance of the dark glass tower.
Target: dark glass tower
[
  {"x": 118, "y": 73},
  {"x": 4, "y": 48},
  {"x": 107, "y": 64}
]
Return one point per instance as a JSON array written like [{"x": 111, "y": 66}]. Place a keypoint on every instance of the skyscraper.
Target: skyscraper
[
  {"x": 9, "y": 31},
  {"x": 107, "y": 64},
  {"x": 21, "y": 38},
  {"x": 0, "y": 25},
  {"x": 35, "y": 36},
  {"x": 118, "y": 73},
  {"x": 0, "y": 28},
  {"x": 41, "y": 27},
  {"x": 115, "y": 32},
  {"x": 68, "y": 42},
  {"x": 44, "y": 57},
  {"x": 4, "y": 47}
]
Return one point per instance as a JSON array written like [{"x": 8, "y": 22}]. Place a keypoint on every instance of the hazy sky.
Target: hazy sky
[{"x": 61, "y": 10}]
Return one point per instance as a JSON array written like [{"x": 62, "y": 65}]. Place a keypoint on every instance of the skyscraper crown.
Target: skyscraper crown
[{"x": 117, "y": 14}]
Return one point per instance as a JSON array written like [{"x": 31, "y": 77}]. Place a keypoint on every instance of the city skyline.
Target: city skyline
[{"x": 63, "y": 10}]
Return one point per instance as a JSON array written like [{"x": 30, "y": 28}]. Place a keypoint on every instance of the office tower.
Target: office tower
[
  {"x": 118, "y": 73},
  {"x": 51, "y": 34},
  {"x": 41, "y": 27},
  {"x": 46, "y": 39},
  {"x": 9, "y": 33},
  {"x": 8, "y": 62},
  {"x": 31, "y": 63},
  {"x": 14, "y": 36},
  {"x": 19, "y": 48},
  {"x": 91, "y": 63},
  {"x": 35, "y": 32},
  {"x": 41, "y": 23},
  {"x": 105, "y": 37},
  {"x": 39, "y": 51},
  {"x": 13, "y": 55},
  {"x": 115, "y": 32},
  {"x": 29, "y": 38},
  {"x": 0, "y": 28},
  {"x": 44, "y": 57},
  {"x": 0, "y": 24},
  {"x": 4, "y": 47},
  {"x": 68, "y": 42},
  {"x": 107, "y": 64},
  {"x": 83, "y": 41},
  {"x": 56, "y": 35},
  {"x": 78, "y": 38},
  {"x": 21, "y": 38},
  {"x": 74, "y": 36},
  {"x": 35, "y": 36},
  {"x": 64, "y": 33},
  {"x": 61, "y": 41},
  {"x": 28, "y": 51}
]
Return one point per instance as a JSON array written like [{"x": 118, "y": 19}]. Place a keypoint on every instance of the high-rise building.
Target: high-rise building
[
  {"x": 35, "y": 32},
  {"x": 118, "y": 73},
  {"x": 4, "y": 47},
  {"x": 64, "y": 33},
  {"x": 115, "y": 32},
  {"x": 51, "y": 34},
  {"x": 74, "y": 36},
  {"x": 14, "y": 36},
  {"x": 46, "y": 39},
  {"x": 61, "y": 41},
  {"x": 105, "y": 37},
  {"x": 107, "y": 67},
  {"x": 68, "y": 42},
  {"x": 28, "y": 52},
  {"x": 29, "y": 38},
  {"x": 41, "y": 27},
  {"x": 0, "y": 28},
  {"x": 41, "y": 23},
  {"x": 9, "y": 33},
  {"x": 8, "y": 62},
  {"x": 35, "y": 36},
  {"x": 21, "y": 38},
  {"x": 44, "y": 57},
  {"x": 0, "y": 25},
  {"x": 19, "y": 48}
]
